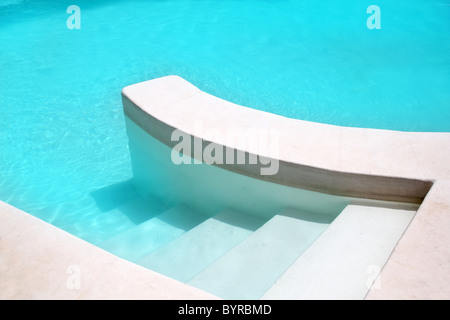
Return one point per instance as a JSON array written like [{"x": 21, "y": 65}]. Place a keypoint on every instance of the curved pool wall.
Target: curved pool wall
[
  {"x": 158, "y": 107},
  {"x": 210, "y": 189}
]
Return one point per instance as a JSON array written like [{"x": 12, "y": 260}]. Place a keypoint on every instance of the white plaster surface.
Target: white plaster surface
[{"x": 345, "y": 260}]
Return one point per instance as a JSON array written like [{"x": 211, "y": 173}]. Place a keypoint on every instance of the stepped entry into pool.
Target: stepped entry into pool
[{"x": 302, "y": 232}]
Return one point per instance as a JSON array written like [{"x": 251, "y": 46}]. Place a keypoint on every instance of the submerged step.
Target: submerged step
[
  {"x": 250, "y": 268},
  {"x": 105, "y": 225},
  {"x": 137, "y": 242},
  {"x": 343, "y": 262},
  {"x": 190, "y": 253},
  {"x": 142, "y": 209}
]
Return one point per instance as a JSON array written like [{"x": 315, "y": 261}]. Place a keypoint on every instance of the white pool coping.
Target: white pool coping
[
  {"x": 40, "y": 261},
  {"x": 370, "y": 163}
]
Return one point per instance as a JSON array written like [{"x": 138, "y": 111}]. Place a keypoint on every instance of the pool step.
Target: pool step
[
  {"x": 105, "y": 225},
  {"x": 142, "y": 209},
  {"x": 250, "y": 268},
  {"x": 343, "y": 262},
  {"x": 190, "y": 253},
  {"x": 135, "y": 243}
]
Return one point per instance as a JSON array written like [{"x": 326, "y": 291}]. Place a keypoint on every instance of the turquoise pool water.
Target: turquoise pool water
[{"x": 64, "y": 153}]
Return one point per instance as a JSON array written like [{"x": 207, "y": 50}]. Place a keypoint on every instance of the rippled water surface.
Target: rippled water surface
[{"x": 63, "y": 147}]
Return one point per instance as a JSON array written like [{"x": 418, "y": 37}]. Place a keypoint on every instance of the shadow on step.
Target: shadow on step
[
  {"x": 123, "y": 197},
  {"x": 115, "y": 195}
]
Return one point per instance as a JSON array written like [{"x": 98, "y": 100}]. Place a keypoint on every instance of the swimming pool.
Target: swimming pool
[{"x": 64, "y": 149}]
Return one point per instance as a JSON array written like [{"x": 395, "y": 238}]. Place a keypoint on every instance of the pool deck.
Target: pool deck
[{"x": 40, "y": 261}]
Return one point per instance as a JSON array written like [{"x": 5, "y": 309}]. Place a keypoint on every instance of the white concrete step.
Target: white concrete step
[
  {"x": 190, "y": 253},
  {"x": 137, "y": 242},
  {"x": 105, "y": 225},
  {"x": 250, "y": 268},
  {"x": 345, "y": 260}
]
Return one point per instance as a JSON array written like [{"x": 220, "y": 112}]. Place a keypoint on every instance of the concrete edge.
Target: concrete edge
[{"x": 41, "y": 261}]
